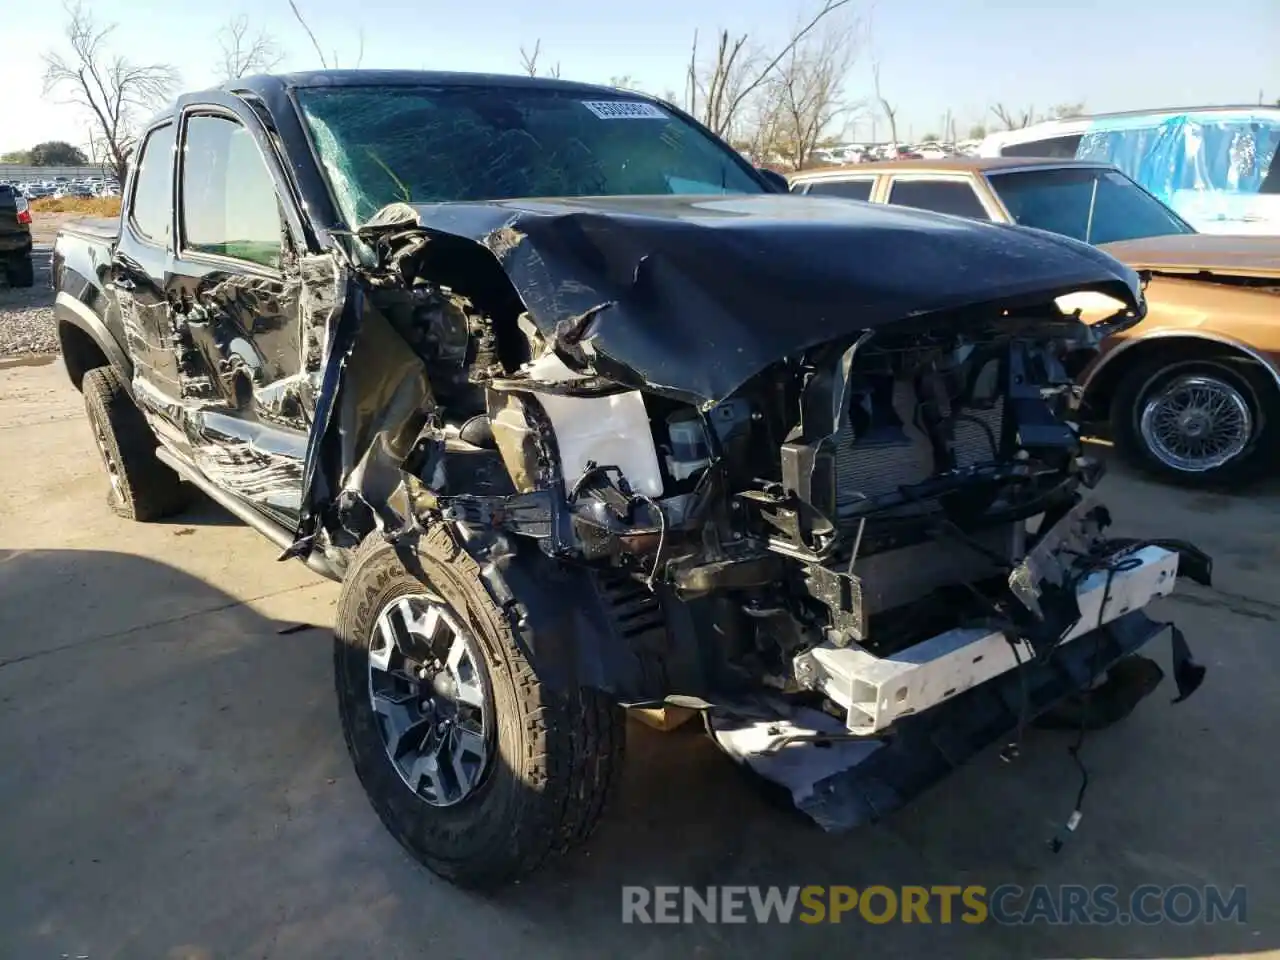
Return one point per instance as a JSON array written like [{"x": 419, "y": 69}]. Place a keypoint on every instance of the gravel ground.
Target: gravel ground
[{"x": 26, "y": 315}]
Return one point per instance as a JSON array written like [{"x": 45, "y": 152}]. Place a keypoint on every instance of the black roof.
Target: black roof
[{"x": 267, "y": 85}]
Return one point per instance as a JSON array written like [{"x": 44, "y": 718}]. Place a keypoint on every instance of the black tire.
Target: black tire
[
  {"x": 22, "y": 272},
  {"x": 1251, "y": 383},
  {"x": 556, "y": 756},
  {"x": 143, "y": 488}
]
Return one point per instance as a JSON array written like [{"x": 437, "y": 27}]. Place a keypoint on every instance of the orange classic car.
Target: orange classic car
[{"x": 1191, "y": 393}]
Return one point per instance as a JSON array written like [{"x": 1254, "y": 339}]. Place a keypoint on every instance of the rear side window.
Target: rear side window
[
  {"x": 152, "y": 185},
  {"x": 229, "y": 204},
  {"x": 1063, "y": 148},
  {"x": 849, "y": 189},
  {"x": 941, "y": 196}
]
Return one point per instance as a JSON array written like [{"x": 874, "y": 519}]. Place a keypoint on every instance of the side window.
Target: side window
[
  {"x": 1063, "y": 148},
  {"x": 229, "y": 204},
  {"x": 942, "y": 196},
  {"x": 153, "y": 184},
  {"x": 849, "y": 189}
]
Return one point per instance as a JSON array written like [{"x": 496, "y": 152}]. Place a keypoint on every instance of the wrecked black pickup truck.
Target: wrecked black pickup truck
[{"x": 585, "y": 414}]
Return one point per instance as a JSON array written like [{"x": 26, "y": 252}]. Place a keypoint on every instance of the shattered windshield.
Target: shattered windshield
[
  {"x": 1092, "y": 204},
  {"x": 382, "y": 144}
]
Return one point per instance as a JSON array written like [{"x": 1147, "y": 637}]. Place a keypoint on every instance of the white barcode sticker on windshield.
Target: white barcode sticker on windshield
[{"x": 624, "y": 110}]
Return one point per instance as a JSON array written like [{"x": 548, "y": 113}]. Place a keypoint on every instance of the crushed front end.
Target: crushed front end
[{"x": 866, "y": 560}]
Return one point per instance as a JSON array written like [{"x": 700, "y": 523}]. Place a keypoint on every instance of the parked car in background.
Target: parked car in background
[
  {"x": 1193, "y": 391},
  {"x": 1215, "y": 166},
  {"x": 15, "y": 237}
]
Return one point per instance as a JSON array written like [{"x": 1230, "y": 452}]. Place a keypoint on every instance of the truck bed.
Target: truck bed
[{"x": 98, "y": 229}]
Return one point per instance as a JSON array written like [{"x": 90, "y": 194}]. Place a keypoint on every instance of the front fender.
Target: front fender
[{"x": 568, "y": 620}]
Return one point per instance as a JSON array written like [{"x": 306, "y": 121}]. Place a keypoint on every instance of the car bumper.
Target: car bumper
[
  {"x": 848, "y": 782},
  {"x": 15, "y": 245},
  {"x": 878, "y": 692}
]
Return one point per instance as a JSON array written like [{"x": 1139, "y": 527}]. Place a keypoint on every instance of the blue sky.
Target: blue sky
[{"x": 934, "y": 54}]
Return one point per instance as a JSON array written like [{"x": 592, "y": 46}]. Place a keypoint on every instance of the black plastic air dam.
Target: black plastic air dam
[{"x": 921, "y": 750}]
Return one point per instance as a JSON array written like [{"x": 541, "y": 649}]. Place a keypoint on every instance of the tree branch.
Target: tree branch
[{"x": 305, "y": 26}]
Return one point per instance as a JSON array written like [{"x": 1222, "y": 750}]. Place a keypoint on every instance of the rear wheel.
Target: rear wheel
[
  {"x": 1200, "y": 422},
  {"x": 142, "y": 488},
  {"x": 22, "y": 272},
  {"x": 474, "y": 765}
]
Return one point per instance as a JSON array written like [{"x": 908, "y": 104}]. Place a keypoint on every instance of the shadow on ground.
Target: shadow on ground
[{"x": 174, "y": 784}]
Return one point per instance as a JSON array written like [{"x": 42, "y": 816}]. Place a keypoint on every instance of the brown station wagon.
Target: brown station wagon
[{"x": 1193, "y": 391}]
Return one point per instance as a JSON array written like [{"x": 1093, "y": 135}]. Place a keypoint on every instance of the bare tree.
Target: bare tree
[
  {"x": 890, "y": 112},
  {"x": 244, "y": 54},
  {"x": 625, "y": 82},
  {"x": 716, "y": 92},
  {"x": 529, "y": 61},
  {"x": 764, "y": 122},
  {"x": 808, "y": 88},
  {"x": 1014, "y": 119},
  {"x": 331, "y": 60},
  {"x": 1065, "y": 111},
  {"x": 113, "y": 89}
]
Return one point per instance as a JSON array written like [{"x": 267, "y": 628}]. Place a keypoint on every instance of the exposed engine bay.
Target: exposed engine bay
[{"x": 862, "y": 530}]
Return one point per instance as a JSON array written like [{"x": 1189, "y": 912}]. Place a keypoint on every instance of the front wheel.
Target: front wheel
[
  {"x": 474, "y": 765},
  {"x": 1197, "y": 422}
]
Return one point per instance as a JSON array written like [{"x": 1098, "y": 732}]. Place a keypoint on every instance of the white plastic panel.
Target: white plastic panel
[
  {"x": 877, "y": 691},
  {"x": 609, "y": 431}
]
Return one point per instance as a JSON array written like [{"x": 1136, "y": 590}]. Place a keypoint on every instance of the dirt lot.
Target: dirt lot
[{"x": 173, "y": 782}]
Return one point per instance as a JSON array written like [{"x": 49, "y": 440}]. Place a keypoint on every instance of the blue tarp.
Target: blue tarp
[{"x": 1214, "y": 167}]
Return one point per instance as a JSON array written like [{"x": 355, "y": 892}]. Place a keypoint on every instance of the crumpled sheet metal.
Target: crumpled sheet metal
[{"x": 692, "y": 296}]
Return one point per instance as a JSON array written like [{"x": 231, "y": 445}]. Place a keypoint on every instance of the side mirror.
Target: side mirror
[{"x": 776, "y": 180}]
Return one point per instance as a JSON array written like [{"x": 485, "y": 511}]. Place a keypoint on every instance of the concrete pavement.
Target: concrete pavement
[{"x": 173, "y": 782}]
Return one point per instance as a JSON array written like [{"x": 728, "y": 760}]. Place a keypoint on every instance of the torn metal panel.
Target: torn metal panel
[
  {"x": 704, "y": 292},
  {"x": 373, "y": 403},
  {"x": 267, "y": 480},
  {"x": 322, "y": 290}
]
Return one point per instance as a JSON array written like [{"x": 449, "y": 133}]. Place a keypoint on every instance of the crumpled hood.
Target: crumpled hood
[
  {"x": 693, "y": 295},
  {"x": 1201, "y": 253}
]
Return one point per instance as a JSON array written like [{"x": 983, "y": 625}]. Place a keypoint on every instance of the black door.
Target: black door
[
  {"x": 138, "y": 275},
  {"x": 233, "y": 292}
]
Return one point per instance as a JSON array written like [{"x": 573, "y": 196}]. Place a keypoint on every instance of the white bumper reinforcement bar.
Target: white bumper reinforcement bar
[{"x": 877, "y": 691}]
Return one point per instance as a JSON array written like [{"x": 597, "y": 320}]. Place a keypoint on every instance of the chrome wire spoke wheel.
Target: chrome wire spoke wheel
[
  {"x": 430, "y": 698},
  {"x": 1196, "y": 423}
]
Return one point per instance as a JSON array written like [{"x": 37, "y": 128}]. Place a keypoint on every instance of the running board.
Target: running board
[{"x": 242, "y": 511}]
